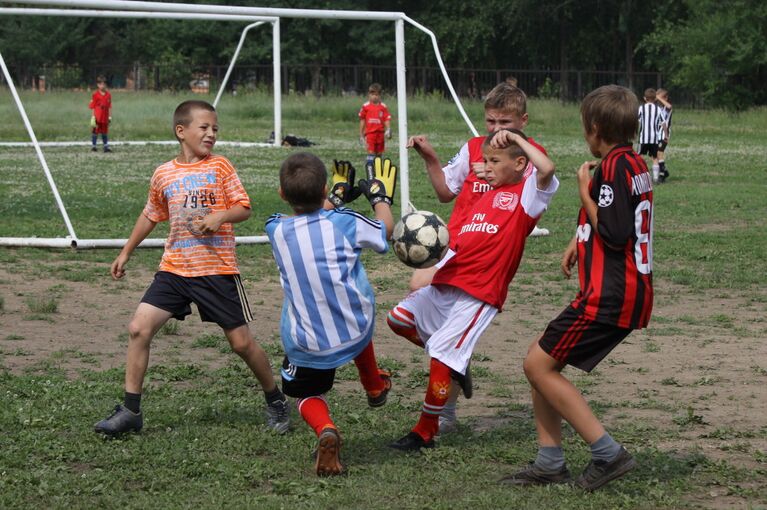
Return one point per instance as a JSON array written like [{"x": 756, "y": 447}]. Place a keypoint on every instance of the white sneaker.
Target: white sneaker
[
  {"x": 447, "y": 425},
  {"x": 538, "y": 232}
]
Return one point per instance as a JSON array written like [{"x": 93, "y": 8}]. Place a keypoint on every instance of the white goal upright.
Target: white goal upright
[{"x": 255, "y": 15}]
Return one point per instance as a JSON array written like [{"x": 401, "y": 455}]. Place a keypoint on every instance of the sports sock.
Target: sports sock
[
  {"x": 105, "y": 139},
  {"x": 274, "y": 395},
  {"x": 655, "y": 172},
  {"x": 402, "y": 323},
  {"x": 94, "y": 139},
  {"x": 605, "y": 448},
  {"x": 315, "y": 412},
  {"x": 133, "y": 402},
  {"x": 434, "y": 403},
  {"x": 550, "y": 458},
  {"x": 368, "y": 370}
]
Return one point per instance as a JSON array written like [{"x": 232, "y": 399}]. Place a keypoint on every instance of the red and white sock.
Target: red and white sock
[
  {"x": 436, "y": 397},
  {"x": 402, "y": 322},
  {"x": 315, "y": 412}
]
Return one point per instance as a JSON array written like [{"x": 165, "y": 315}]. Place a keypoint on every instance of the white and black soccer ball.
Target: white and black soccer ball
[{"x": 420, "y": 239}]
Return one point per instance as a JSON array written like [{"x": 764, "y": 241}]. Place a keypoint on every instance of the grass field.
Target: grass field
[{"x": 204, "y": 444}]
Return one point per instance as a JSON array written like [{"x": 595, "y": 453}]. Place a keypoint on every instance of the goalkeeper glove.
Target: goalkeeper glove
[
  {"x": 380, "y": 188},
  {"x": 362, "y": 141},
  {"x": 342, "y": 190},
  {"x": 93, "y": 122},
  {"x": 387, "y": 133}
]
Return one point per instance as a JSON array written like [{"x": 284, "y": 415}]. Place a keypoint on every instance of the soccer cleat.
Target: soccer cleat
[
  {"x": 107, "y": 149},
  {"x": 533, "y": 475},
  {"x": 121, "y": 420},
  {"x": 464, "y": 381},
  {"x": 278, "y": 416},
  {"x": 447, "y": 424},
  {"x": 598, "y": 473},
  {"x": 412, "y": 442},
  {"x": 379, "y": 398},
  {"x": 328, "y": 453},
  {"x": 94, "y": 149}
]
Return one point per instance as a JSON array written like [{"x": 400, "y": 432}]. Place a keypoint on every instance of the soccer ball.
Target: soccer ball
[{"x": 420, "y": 239}]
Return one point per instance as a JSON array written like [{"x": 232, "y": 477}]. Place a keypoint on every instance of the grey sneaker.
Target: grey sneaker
[
  {"x": 448, "y": 421},
  {"x": 533, "y": 475},
  {"x": 278, "y": 416},
  {"x": 598, "y": 473},
  {"x": 120, "y": 421}
]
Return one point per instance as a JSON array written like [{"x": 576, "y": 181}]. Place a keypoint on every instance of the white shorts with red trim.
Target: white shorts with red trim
[{"x": 449, "y": 322}]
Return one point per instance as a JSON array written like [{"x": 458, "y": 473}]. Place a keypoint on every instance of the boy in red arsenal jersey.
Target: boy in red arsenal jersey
[
  {"x": 375, "y": 122},
  {"x": 200, "y": 195},
  {"x": 101, "y": 104},
  {"x": 449, "y": 315},
  {"x": 613, "y": 249}
]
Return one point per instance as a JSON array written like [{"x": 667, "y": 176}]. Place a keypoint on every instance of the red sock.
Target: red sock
[
  {"x": 402, "y": 323},
  {"x": 367, "y": 366},
  {"x": 315, "y": 412},
  {"x": 436, "y": 396}
]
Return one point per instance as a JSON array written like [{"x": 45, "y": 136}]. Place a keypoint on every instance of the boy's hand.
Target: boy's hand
[
  {"x": 93, "y": 122},
  {"x": 422, "y": 146},
  {"x": 584, "y": 172},
  {"x": 387, "y": 133},
  {"x": 342, "y": 189},
  {"x": 118, "y": 266},
  {"x": 362, "y": 141},
  {"x": 502, "y": 139},
  {"x": 479, "y": 169},
  {"x": 381, "y": 187},
  {"x": 210, "y": 223},
  {"x": 569, "y": 258}
]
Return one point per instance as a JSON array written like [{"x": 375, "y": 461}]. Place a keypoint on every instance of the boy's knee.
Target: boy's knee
[
  {"x": 242, "y": 345},
  {"x": 139, "y": 331},
  {"x": 402, "y": 323}
]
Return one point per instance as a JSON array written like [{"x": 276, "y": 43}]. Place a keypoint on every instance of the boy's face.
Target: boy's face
[
  {"x": 201, "y": 133},
  {"x": 503, "y": 119},
  {"x": 592, "y": 140},
  {"x": 502, "y": 168},
  {"x": 102, "y": 85},
  {"x": 374, "y": 97}
]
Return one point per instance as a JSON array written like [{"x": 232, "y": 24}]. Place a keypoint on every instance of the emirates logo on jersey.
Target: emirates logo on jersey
[{"x": 505, "y": 201}]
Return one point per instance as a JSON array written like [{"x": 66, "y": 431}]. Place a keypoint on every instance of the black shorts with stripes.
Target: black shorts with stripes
[
  {"x": 219, "y": 298},
  {"x": 651, "y": 149},
  {"x": 575, "y": 340},
  {"x": 305, "y": 382}
]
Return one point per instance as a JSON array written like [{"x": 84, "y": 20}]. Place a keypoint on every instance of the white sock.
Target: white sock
[{"x": 655, "y": 172}]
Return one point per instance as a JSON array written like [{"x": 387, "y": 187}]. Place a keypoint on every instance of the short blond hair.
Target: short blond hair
[
  {"x": 507, "y": 97},
  {"x": 613, "y": 110},
  {"x": 649, "y": 94}
]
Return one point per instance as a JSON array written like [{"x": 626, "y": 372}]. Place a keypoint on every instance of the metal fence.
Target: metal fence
[{"x": 320, "y": 80}]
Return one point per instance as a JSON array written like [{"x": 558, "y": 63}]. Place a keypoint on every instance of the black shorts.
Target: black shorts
[
  {"x": 662, "y": 146},
  {"x": 219, "y": 298},
  {"x": 651, "y": 149},
  {"x": 575, "y": 340},
  {"x": 304, "y": 382}
]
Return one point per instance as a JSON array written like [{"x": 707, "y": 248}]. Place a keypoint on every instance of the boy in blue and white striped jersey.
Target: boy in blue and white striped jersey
[{"x": 329, "y": 308}]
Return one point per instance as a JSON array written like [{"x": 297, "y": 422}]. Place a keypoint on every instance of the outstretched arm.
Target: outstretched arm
[
  {"x": 141, "y": 230},
  {"x": 433, "y": 166}
]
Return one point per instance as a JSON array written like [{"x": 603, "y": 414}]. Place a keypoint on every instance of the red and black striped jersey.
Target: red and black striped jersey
[{"x": 615, "y": 259}]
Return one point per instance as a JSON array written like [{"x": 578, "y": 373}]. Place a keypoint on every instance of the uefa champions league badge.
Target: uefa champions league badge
[{"x": 605, "y": 196}]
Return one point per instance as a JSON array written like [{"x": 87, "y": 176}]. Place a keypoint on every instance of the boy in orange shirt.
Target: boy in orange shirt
[
  {"x": 101, "y": 104},
  {"x": 201, "y": 196}
]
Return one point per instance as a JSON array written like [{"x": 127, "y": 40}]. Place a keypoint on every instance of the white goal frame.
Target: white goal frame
[{"x": 142, "y": 9}]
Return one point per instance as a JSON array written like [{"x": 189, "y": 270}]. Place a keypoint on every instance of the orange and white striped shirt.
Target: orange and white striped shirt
[{"x": 184, "y": 194}]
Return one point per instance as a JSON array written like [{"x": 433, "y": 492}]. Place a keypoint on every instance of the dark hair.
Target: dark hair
[
  {"x": 613, "y": 110},
  {"x": 513, "y": 150},
  {"x": 505, "y": 96},
  {"x": 375, "y": 87},
  {"x": 101, "y": 79},
  {"x": 649, "y": 94},
  {"x": 302, "y": 179},
  {"x": 184, "y": 112}
]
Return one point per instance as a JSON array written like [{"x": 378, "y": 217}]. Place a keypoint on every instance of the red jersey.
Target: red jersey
[
  {"x": 183, "y": 194},
  {"x": 489, "y": 244},
  {"x": 615, "y": 260},
  {"x": 101, "y": 104},
  {"x": 463, "y": 182},
  {"x": 374, "y": 116}
]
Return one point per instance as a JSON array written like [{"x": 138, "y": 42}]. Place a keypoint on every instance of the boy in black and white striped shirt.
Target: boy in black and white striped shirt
[
  {"x": 661, "y": 96},
  {"x": 650, "y": 130}
]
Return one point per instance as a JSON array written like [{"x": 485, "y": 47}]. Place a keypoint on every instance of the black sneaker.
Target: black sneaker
[
  {"x": 380, "y": 399},
  {"x": 120, "y": 421},
  {"x": 533, "y": 475},
  {"x": 412, "y": 442},
  {"x": 598, "y": 473},
  {"x": 278, "y": 416},
  {"x": 94, "y": 149},
  {"x": 464, "y": 381},
  {"x": 107, "y": 149}
]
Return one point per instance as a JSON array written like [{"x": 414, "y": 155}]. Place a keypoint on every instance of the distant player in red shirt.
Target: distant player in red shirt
[
  {"x": 467, "y": 292},
  {"x": 101, "y": 104},
  {"x": 613, "y": 249},
  {"x": 375, "y": 121}
]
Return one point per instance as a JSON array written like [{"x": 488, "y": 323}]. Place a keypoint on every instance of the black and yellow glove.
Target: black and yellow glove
[
  {"x": 381, "y": 181},
  {"x": 342, "y": 190}
]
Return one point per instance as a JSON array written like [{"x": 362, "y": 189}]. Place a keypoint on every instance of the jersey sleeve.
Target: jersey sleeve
[
  {"x": 615, "y": 215},
  {"x": 387, "y": 115},
  {"x": 361, "y": 231},
  {"x": 232, "y": 187},
  {"x": 156, "y": 208},
  {"x": 363, "y": 112},
  {"x": 457, "y": 169},
  {"x": 535, "y": 201}
]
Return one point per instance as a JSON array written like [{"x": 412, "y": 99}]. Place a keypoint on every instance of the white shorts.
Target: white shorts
[{"x": 449, "y": 322}]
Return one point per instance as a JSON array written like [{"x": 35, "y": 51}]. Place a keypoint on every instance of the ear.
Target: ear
[
  {"x": 525, "y": 118},
  {"x": 179, "y": 131},
  {"x": 521, "y": 162}
]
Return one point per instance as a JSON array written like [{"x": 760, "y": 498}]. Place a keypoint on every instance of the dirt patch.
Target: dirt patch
[{"x": 699, "y": 370}]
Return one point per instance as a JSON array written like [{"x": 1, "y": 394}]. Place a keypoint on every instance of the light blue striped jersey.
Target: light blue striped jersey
[{"x": 329, "y": 308}]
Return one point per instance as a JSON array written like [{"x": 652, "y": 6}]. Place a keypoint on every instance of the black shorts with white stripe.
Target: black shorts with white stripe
[
  {"x": 305, "y": 382},
  {"x": 575, "y": 340},
  {"x": 219, "y": 298}
]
